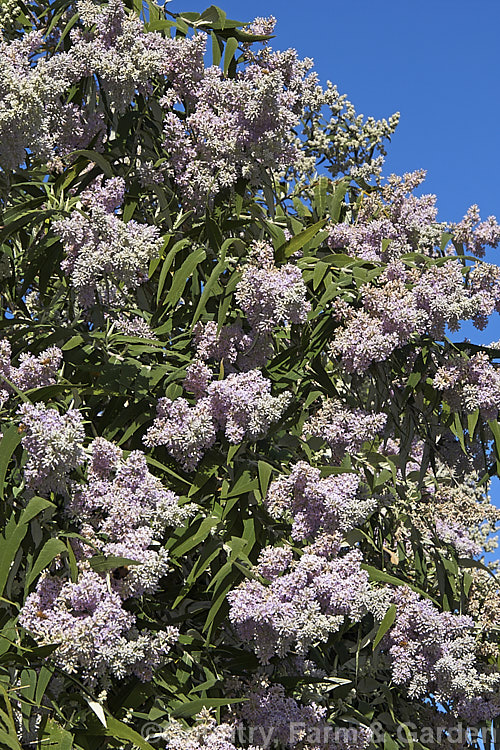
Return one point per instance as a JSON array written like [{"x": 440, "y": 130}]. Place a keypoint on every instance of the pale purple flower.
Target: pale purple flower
[
  {"x": 469, "y": 384},
  {"x": 269, "y": 295},
  {"x": 186, "y": 431},
  {"x": 32, "y": 371},
  {"x": 343, "y": 429},
  {"x": 233, "y": 347},
  {"x": 122, "y": 510},
  {"x": 54, "y": 444},
  {"x": 102, "y": 251},
  {"x": 304, "y": 605},
  {"x": 435, "y": 652},
  {"x": 476, "y": 234},
  {"x": 241, "y": 405},
  {"x": 317, "y": 505}
]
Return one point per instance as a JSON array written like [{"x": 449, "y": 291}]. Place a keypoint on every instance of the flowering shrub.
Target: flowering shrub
[{"x": 244, "y": 471}]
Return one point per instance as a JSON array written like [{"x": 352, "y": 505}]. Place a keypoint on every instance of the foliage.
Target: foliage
[{"x": 244, "y": 471}]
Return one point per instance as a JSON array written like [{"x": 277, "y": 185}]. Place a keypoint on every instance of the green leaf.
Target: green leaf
[
  {"x": 181, "y": 276},
  {"x": 101, "y": 563},
  {"x": 49, "y": 551},
  {"x": 277, "y": 234},
  {"x": 300, "y": 240},
  {"x": 320, "y": 270},
  {"x": 216, "y": 50},
  {"x": 229, "y": 52},
  {"x": 166, "y": 265},
  {"x": 219, "y": 607},
  {"x": 408, "y": 734},
  {"x": 193, "y": 538},
  {"x": 117, "y": 729},
  {"x": 445, "y": 238},
  {"x": 472, "y": 420},
  {"x": 495, "y": 431},
  {"x": 34, "y": 507},
  {"x": 129, "y": 209},
  {"x": 205, "y": 471},
  {"x": 320, "y": 195},
  {"x": 387, "y": 622},
  {"x": 194, "y": 707},
  {"x": 265, "y": 473},
  {"x": 243, "y": 484},
  {"x": 8, "y": 731},
  {"x": 97, "y": 158},
  {"x": 380, "y": 575},
  {"x": 14, "y": 534},
  {"x": 335, "y": 201},
  {"x": 73, "y": 567},
  {"x": 468, "y": 562},
  {"x": 99, "y": 711},
  {"x": 458, "y": 431},
  {"x": 10, "y": 441},
  {"x": 389, "y": 743},
  {"x": 44, "y": 676},
  {"x": 159, "y": 25},
  {"x": 67, "y": 29},
  {"x": 216, "y": 16},
  {"x": 207, "y": 289}
]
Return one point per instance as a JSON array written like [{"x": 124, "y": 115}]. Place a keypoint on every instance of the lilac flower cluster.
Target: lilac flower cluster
[
  {"x": 281, "y": 719},
  {"x": 206, "y": 734},
  {"x": 198, "y": 378},
  {"x": 478, "y": 710},
  {"x": 117, "y": 48},
  {"x": 54, "y": 444},
  {"x": 186, "y": 431},
  {"x": 33, "y": 113},
  {"x": 269, "y": 709},
  {"x": 134, "y": 326},
  {"x": 270, "y": 296},
  {"x": 33, "y": 110},
  {"x": 122, "y": 510},
  {"x": 484, "y": 281},
  {"x": 114, "y": 49},
  {"x": 435, "y": 652},
  {"x": 241, "y": 405},
  {"x": 454, "y": 509},
  {"x": 317, "y": 506},
  {"x": 484, "y": 607},
  {"x": 469, "y": 384},
  {"x": 440, "y": 292},
  {"x": 126, "y": 504},
  {"x": 344, "y": 430},
  {"x": 101, "y": 249},
  {"x": 231, "y": 346},
  {"x": 261, "y": 26},
  {"x": 238, "y": 127},
  {"x": 32, "y": 372},
  {"x": 404, "y": 223},
  {"x": 94, "y": 633},
  {"x": 455, "y": 533},
  {"x": 404, "y": 304},
  {"x": 306, "y": 603},
  {"x": 475, "y": 234}
]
